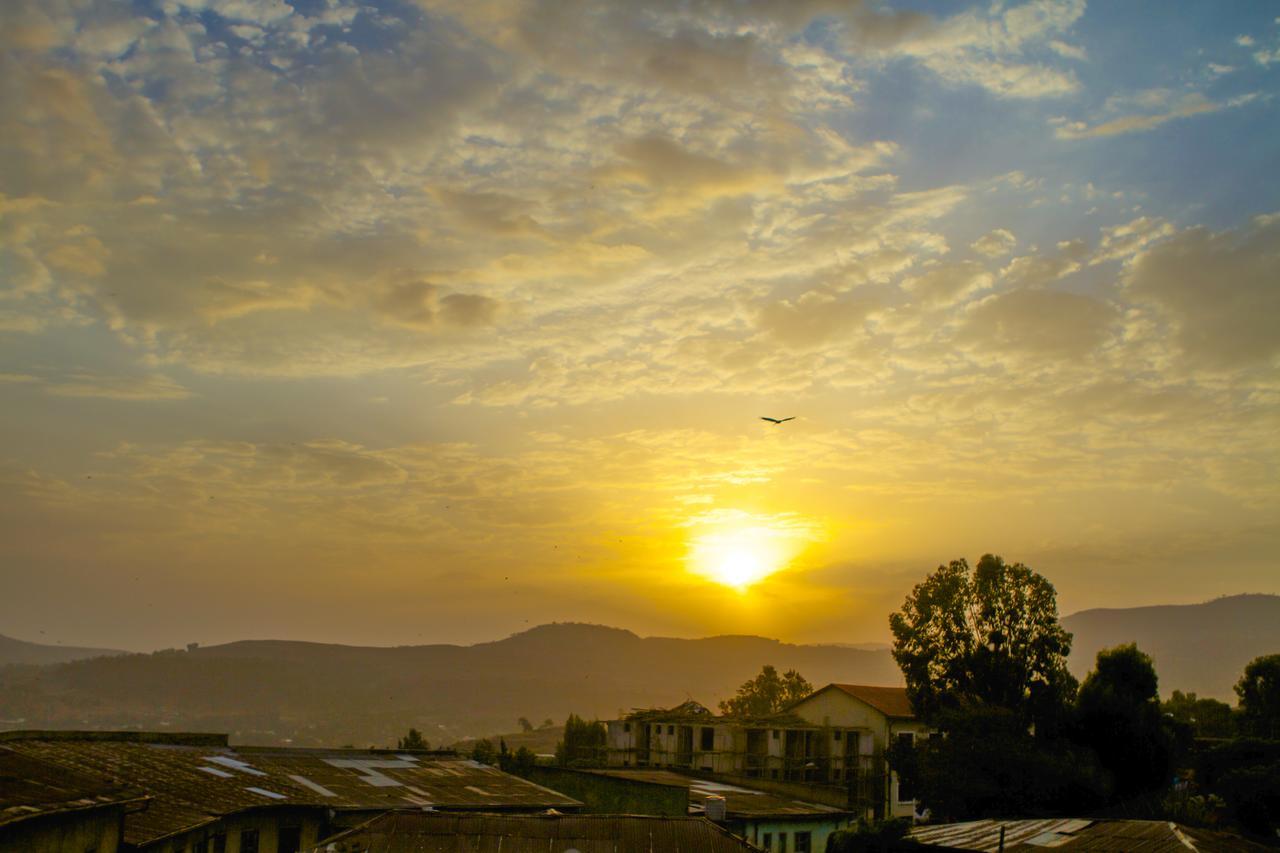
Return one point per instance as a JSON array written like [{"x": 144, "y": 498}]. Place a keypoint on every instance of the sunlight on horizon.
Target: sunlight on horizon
[{"x": 739, "y": 555}]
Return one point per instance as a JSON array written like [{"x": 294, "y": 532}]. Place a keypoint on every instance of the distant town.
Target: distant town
[{"x": 987, "y": 743}]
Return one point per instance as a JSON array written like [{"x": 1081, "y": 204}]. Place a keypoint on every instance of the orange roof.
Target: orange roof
[{"x": 890, "y": 701}]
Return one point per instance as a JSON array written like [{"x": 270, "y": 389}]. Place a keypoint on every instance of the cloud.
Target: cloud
[
  {"x": 1040, "y": 323},
  {"x": 155, "y": 387},
  {"x": 1217, "y": 290},
  {"x": 1162, "y": 107},
  {"x": 995, "y": 243}
]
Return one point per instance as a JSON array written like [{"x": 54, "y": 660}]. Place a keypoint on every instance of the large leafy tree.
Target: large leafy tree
[
  {"x": 1119, "y": 717},
  {"x": 1259, "y": 692},
  {"x": 584, "y": 743},
  {"x": 986, "y": 636},
  {"x": 767, "y": 693},
  {"x": 1205, "y": 717}
]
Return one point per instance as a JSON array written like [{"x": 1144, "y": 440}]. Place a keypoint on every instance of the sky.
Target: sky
[{"x": 401, "y": 322}]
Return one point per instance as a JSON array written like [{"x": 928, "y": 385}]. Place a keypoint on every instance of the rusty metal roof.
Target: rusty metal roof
[
  {"x": 1079, "y": 834},
  {"x": 487, "y": 833},
  {"x": 193, "y": 781},
  {"x": 890, "y": 701},
  {"x": 31, "y": 788},
  {"x": 740, "y": 802}
]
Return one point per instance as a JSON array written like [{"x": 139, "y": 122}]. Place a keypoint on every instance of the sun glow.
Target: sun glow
[{"x": 739, "y": 557}]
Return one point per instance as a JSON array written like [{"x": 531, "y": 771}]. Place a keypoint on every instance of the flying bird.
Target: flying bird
[{"x": 776, "y": 421}]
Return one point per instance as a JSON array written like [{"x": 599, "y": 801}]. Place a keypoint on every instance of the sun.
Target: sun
[{"x": 738, "y": 557}]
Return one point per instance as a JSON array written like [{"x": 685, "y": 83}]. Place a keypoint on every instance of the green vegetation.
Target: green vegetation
[
  {"x": 1259, "y": 692},
  {"x": 583, "y": 744},
  {"x": 983, "y": 657},
  {"x": 483, "y": 751},
  {"x": 986, "y": 637},
  {"x": 1203, "y": 717},
  {"x": 413, "y": 740},
  {"x": 767, "y": 693}
]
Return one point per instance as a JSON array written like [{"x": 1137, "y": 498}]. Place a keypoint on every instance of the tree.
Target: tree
[
  {"x": 583, "y": 744},
  {"x": 990, "y": 636},
  {"x": 990, "y": 765},
  {"x": 767, "y": 693},
  {"x": 548, "y": 723},
  {"x": 1259, "y": 692},
  {"x": 1118, "y": 715},
  {"x": 525, "y": 725},
  {"x": 413, "y": 740},
  {"x": 1206, "y": 717},
  {"x": 483, "y": 752}
]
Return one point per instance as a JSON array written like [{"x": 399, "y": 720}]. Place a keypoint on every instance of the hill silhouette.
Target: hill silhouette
[
  {"x": 14, "y": 651},
  {"x": 1201, "y": 648},
  {"x": 279, "y": 691},
  {"x": 272, "y": 691}
]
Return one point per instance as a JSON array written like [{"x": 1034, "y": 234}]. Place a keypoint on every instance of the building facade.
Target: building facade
[{"x": 834, "y": 739}]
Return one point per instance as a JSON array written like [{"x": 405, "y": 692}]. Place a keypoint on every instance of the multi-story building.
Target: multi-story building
[{"x": 835, "y": 738}]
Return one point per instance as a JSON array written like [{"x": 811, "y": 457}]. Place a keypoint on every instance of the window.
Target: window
[
  {"x": 626, "y": 727},
  {"x": 905, "y": 793},
  {"x": 671, "y": 730},
  {"x": 776, "y": 734},
  {"x": 289, "y": 839},
  {"x": 219, "y": 843},
  {"x": 839, "y": 734},
  {"x": 766, "y": 841},
  {"x": 201, "y": 846},
  {"x": 804, "y": 844},
  {"x": 782, "y": 842},
  {"x": 248, "y": 841},
  {"x": 708, "y": 739}
]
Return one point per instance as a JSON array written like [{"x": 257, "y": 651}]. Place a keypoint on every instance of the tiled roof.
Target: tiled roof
[
  {"x": 1079, "y": 834},
  {"x": 890, "y": 701},
  {"x": 477, "y": 833},
  {"x": 740, "y": 802},
  {"x": 32, "y": 788},
  {"x": 194, "y": 781}
]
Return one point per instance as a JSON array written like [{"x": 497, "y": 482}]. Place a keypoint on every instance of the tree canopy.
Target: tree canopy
[
  {"x": 583, "y": 744},
  {"x": 1206, "y": 717},
  {"x": 1118, "y": 715},
  {"x": 987, "y": 636},
  {"x": 1259, "y": 692},
  {"x": 413, "y": 740},
  {"x": 767, "y": 693}
]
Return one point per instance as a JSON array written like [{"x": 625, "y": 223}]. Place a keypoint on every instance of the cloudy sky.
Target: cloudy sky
[{"x": 393, "y": 322}]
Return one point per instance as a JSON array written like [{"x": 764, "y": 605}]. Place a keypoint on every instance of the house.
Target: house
[
  {"x": 861, "y": 722},
  {"x": 205, "y": 796},
  {"x": 770, "y": 820},
  {"x": 45, "y": 808},
  {"x": 441, "y": 833},
  {"x": 834, "y": 739}
]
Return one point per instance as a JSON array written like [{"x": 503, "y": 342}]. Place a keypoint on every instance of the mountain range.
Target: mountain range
[{"x": 274, "y": 691}]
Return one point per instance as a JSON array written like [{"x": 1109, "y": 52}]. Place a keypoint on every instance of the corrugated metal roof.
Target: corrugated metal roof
[
  {"x": 438, "y": 833},
  {"x": 740, "y": 802},
  {"x": 32, "y": 788},
  {"x": 1079, "y": 834},
  {"x": 192, "y": 784},
  {"x": 890, "y": 701}
]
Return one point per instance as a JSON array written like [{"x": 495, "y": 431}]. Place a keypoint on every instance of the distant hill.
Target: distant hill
[
  {"x": 274, "y": 691},
  {"x": 271, "y": 691},
  {"x": 22, "y": 652},
  {"x": 1201, "y": 648}
]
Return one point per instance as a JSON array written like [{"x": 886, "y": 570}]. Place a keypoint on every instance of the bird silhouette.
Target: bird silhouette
[{"x": 776, "y": 421}]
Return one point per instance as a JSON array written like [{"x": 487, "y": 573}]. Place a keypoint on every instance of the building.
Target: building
[
  {"x": 861, "y": 722},
  {"x": 772, "y": 821},
  {"x": 440, "y": 833},
  {"x": 207, "y": 797},
  {"x": 835, "y": 738},
  {"x": 44, "y": 807},
  {"x": 1027, "y": 836}
]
